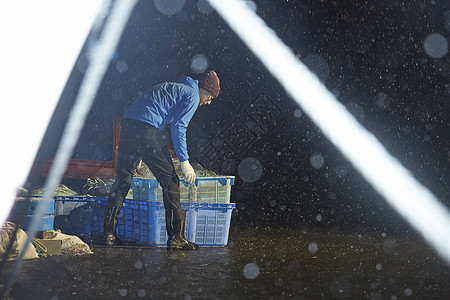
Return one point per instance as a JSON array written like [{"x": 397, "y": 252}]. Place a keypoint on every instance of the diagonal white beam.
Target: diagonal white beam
[{"x": 395, "y": 183}]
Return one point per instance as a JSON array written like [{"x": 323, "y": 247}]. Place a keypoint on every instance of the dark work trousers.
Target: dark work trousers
[{"x": 139, "y": 140}]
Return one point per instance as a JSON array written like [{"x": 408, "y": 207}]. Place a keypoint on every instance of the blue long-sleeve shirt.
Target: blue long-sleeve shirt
[{"x": 169, "y": 102}]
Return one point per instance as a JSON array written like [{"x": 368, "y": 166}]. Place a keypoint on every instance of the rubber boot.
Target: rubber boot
[
  {"x": 169, "y": 226},
  {"x": 191, "y": 245},
  {"x": 179, "y": 242},
  {"x": 110, "y": 224}
]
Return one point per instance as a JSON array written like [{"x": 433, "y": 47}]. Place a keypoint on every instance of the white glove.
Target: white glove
[{"x": 188, "y": 171}]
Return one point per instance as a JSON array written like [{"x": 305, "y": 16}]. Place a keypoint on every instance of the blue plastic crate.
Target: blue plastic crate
[
  {"x": 28, "y": 207},
  {"x": 25, "y": 221},
  {"x": 206, "y": 224},
  {"x": 86, "y": 216},
  {"x": 144, "y": 189},
  {"x": 125, "y": 228},
  {"x": 211, "y": 189},
  {"x": 210, "y": 224},
  {"x": 144, "y": 222},
  {"x": 74, "y": 215},
  {"x": 205, "y": 190},
  {"x": 23, "y": 213}
]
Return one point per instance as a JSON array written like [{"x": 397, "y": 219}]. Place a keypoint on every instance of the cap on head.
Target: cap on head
[{"x": 210, "y": 82}]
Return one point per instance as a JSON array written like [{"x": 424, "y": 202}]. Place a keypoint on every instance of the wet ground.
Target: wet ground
[{"x": 257, "y": 264}]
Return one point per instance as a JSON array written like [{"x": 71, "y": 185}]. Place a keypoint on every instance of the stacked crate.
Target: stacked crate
[
  {"x": 142, "y": 219},
  {"x": 208, "y": 208}
]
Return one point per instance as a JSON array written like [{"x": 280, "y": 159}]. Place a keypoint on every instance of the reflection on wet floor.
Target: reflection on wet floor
[{"x": 263, "y": 264}]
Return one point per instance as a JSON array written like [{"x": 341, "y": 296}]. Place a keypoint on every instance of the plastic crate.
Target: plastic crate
[
  {"x": 206, "y": 224},
  {"x": 65, "y": 204},
  {"x": 75, "y": 215},
  {"x": 144, "y": 189},
  {"x": 210, "y": 224},
  {"x": 124, "y": 225},
  {"x": 23, "y": 213},
  {"x": 28, "y": 207},
  {"x": 211, "y": 190},
  {"x": 144, "y": 222},
  {"x": 24, "y": 222},
  {"x": 206, "y": 190}
]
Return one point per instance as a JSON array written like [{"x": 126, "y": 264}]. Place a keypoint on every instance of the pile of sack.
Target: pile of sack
[{"x": 70, "y": 245}]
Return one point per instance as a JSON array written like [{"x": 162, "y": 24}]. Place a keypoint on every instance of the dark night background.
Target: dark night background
[{"x": 370, "y": 54}]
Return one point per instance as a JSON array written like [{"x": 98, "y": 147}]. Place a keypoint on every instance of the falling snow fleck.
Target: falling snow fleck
[
  {"x": 436, "y": 45},
  {"x": 169, "y": 7},
  {"x": 318, "y": 65},
  {"x": 251, "y": 5},
  {"x": 141, "y": 293},
  {"x": 317, "y": 161},
  {"x": 313, "y": 248},
  {"x": 82, "y": 63},
  {"x": 123, "y": 292},
  {"x": 251, "y": 271},
  {"x": 319, "y": 218},
  {"x": 204, "y": 7},
  {"x": 298, "y": 113},
  {"x": 379, "y": 267},
  {"x": 341, "y": 171},
  {"x": 199, "y": 63},
  {"x": 122, "y": 66},
  {"x": 381, "y": 100},
  {"x": 357, "y": 111},
  {"x": 138, "y": 264},
  {"x": 341, "y": 288},
  {"x": 408, "y": 292},
  {"x": 250, "y": 169}
]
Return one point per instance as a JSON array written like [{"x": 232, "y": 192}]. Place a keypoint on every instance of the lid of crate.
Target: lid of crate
[{"x": 223, "y": 180}]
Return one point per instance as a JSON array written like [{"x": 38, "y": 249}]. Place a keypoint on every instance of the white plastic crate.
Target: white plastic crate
[{"x": 206, "y": 190}]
